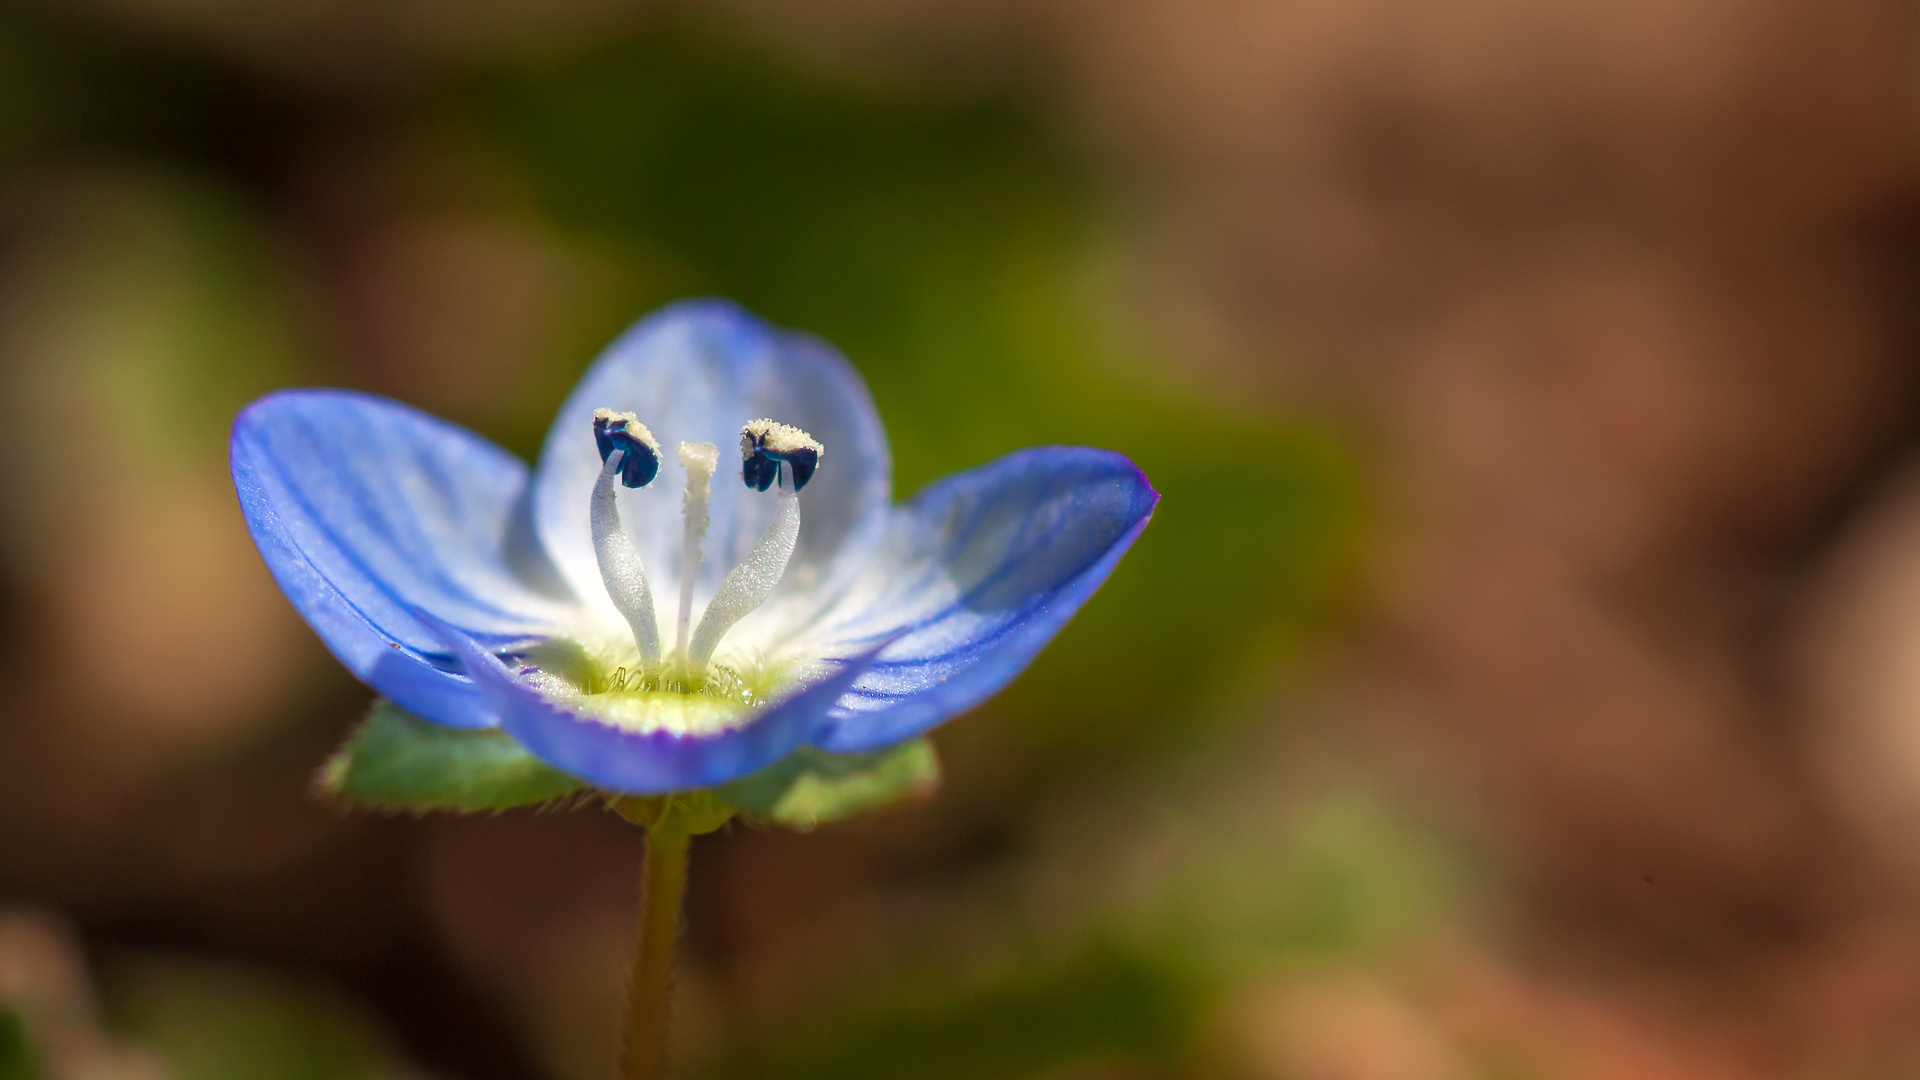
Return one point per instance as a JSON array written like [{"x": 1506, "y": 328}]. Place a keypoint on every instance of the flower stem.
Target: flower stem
[{"x": 650, "y": 987}]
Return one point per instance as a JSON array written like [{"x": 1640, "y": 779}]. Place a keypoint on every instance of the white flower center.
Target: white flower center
[{"x": 771, "y": 453}]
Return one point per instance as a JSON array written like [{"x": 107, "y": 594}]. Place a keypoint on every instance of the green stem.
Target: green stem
[{"x": 651, "y": 986}]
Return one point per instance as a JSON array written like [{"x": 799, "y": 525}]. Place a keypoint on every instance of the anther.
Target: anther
[
  {"x": 764, "y": 444},
  {"x": 624, "y": 431}
]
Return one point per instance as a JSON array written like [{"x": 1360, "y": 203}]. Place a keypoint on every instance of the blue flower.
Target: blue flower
[{"x": 477, "y": 594}]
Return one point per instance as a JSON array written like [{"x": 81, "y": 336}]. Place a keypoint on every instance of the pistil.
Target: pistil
[{"x": 700, "y": 460}]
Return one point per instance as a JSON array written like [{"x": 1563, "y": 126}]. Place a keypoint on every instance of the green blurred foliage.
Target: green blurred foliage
[
  {"x": 19, "y": 1060},
  {"x": 212, "y": 1021},
  {"x": 161, "y": 302},
  {"x": 1337, "y": 874},
  {"x": 1105, "y": 1006},
  {"x": 1341, "y": 871}
]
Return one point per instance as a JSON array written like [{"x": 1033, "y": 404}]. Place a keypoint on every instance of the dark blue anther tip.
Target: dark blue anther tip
[
  {"x": 802, "y": 462},
  {"x": 764, "y": 444},
  {"x": 759, "y": 470},
  {"x": 640, "y": 462}
]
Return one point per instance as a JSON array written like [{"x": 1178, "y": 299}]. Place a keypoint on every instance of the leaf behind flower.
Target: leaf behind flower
[
  {"x": 397, "y": 761},
  {"x": 811, "y": 787}
]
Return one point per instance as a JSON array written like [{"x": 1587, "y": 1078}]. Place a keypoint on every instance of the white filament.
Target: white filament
[
  {"x": 750, "y": 583},
  {"x": 620, "y": 567},
  {"x": 700, "y": 461}
]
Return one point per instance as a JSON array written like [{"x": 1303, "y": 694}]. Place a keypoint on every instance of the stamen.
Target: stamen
[
  {"x": 620, "y": 569},
  {"x": 764, "y": 447},
  {"x": 750, "y": 583},
  {"x": 700, "y": 461},
  {"x": 624, "y": 431},
  {"x": 765, "y": 443}
]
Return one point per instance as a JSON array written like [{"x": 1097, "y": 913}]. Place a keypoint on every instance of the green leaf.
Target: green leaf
[
  {"x": 18, "y": 1059},
  {"x": 397, "y": 761},
  {"x": 812, "y": 787}
]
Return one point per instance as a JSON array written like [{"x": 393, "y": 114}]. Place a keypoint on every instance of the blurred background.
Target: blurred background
[{"x": 1520, "y": 678}]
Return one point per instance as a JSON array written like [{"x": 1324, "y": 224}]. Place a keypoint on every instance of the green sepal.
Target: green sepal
[
  {"x": 694, "y": 813},
  {"x": 397, "y": 761},
  {"x": 812, "y": 787}
]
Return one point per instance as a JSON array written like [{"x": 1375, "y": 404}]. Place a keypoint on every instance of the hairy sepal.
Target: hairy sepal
[
  {"x": 812, "y": 787},
  {"x": 397, "y": 761},
  {"x": 694, "y": 813}
]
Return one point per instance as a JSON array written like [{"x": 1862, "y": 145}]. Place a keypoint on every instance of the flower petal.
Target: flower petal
[
  {"x": 696, "y": 372},
  {"x": 981, "y": 570},
  {"x": 364, "y": 510},
  {"x": 651, "y": 763}
]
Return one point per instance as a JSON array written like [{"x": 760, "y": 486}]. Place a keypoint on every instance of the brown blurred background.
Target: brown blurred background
[{"x": 1520, "y": 679}]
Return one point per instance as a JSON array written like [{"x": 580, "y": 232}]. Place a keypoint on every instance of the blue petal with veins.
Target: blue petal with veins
[{"x": 422, "y": 554}]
